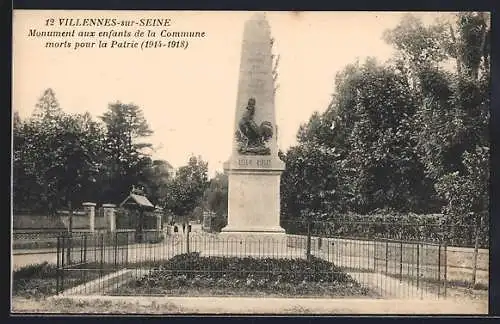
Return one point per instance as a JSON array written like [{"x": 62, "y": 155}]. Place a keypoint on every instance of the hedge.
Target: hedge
[{"x": 433, "y": 228}]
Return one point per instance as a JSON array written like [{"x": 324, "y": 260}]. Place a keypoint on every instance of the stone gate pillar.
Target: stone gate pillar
[
  {"x": 89, "y": 208},
  {"x": 109, "y": 214},
  {"x": 158, "y": 222}
]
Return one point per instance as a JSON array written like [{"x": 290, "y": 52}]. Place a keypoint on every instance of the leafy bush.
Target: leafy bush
[
  {"x": 188, "y": 273},
  {"x": 291, "y": 270},
  {"x": 393, "y": 225}
]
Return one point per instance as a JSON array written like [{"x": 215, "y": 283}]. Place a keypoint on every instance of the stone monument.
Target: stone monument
[{"x": 254, "y": 168}]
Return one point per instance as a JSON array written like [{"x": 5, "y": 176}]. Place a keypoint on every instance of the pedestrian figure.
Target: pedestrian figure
[
  {"x": 176, "y": 229},
  {"x": 183, "y": 227}
]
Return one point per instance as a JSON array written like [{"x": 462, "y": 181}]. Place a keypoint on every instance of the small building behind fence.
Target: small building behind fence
[{"x": 144, "y": 215}]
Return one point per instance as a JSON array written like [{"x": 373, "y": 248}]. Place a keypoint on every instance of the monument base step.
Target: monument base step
[
  {"x": 252, "y": 244},
  {"x": 253, "y": 231},
  {"x": 242, "y": 253}
]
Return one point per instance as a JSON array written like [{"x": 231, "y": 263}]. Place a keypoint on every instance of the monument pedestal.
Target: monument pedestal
[
  {"x": 254, "y": 195},
  {"x": 254, "y": 206}
]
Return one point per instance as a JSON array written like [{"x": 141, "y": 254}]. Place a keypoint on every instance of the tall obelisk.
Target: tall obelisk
[{"x": 254, "y": 168}]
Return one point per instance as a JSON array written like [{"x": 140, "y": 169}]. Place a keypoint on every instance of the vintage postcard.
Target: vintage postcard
[{"x": 238, "y": 162}]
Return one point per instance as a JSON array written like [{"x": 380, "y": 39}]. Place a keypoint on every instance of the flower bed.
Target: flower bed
[{"x": 192, "y": 275}]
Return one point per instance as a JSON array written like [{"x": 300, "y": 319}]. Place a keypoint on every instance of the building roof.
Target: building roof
[{"x": 137, "y": 200}]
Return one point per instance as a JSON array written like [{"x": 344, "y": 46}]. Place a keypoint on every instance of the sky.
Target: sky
[{"x": 188, "y": 96}]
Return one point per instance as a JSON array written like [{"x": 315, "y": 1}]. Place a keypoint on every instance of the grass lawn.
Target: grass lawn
[{"x": 40, "y": 280}]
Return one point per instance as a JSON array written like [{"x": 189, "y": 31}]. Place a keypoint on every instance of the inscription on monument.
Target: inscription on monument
[
  {"x": 262, "y": 163},
  {"x": 244, "y": 162}
]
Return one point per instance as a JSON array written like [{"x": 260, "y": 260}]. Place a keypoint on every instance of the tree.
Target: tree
[
  {"x": 185, "y": 192},
  {"x": 452, "y": 120},
  {"x": 56, "y": 157},
  {"x": 31, "y": 141},
  {"x": 27, "y": 191},
  {"x": 453, "y": 107},
  {"x": 127, "y": 157},
  {"x": 399, "y": 128},
  {"x": 157, "y": 180},
  {"x": 359, "y": 154},
  {"x": 47, "y": 107},
  {"x": 216, "y": 194},
  {"x": 76, "y": 160},
  {"x": 379, "y": 143}
]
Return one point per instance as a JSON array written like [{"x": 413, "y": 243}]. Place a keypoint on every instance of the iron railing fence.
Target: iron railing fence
[
  {"x": 224, "y": 264},
  {"x": 460, "y": 235},
  {"x": 37, "y": 239},
  {"x": 467, "y": 256}
]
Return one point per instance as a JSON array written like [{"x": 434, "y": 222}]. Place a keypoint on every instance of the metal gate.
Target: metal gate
[{"x": 83, "y": 257}]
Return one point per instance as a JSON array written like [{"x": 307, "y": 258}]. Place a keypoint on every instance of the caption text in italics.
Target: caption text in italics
[{"x": 114, "y": 33}]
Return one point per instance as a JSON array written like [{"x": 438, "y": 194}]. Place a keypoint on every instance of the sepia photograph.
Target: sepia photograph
[{"x": 250, "y": 162}]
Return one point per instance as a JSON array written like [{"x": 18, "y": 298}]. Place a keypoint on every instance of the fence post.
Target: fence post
[
  {"x": 328, "y": 242},
  {"x": 116, "y": 246},
  {"x": 68, "y": 249},
  {"x": 85, "y": 248},
  {"x": 127, "y": 237},
  {"x": 62, "y": 263},
  {"x": 418, "y": 265},
  {"x": 308, "y": 247},
  {"x": 187, "y": 240},
  {"x": 401, "y": 261},
  {"x": 386, "y": 255},
  {"x": 476, "y": 250},
  {"x": 58, "y": 264},
  {"x": 367, "y": 245},
  {"x": 102, "y": 254},
  {"x": 445, "y": 267},
  {"x": 439, "y": 269}
]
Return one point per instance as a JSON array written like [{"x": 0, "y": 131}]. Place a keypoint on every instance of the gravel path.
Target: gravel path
[{"x": 235, "y": 305}]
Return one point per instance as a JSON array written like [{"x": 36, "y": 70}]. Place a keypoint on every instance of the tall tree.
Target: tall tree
[
  {"x": 27, "y": 192},
  {"x": 186, "y": 191},
  {"x": 400, "y": 127},
  {"x": 127, "y": 156},
  {"x": 361, "y": 147},
  {"x": 47, "y": 107},
  {"x": 77, "y": 160},
  {"x": 33, "y": 155},
  {"x": 216, "y": 195},
  {"x": 157, "y": 180},
  {"x": 57, "y": 156},
  {"x": 452, "y": 120}
]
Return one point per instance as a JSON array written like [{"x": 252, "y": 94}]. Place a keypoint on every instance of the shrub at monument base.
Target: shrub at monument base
[{"x": 190, "y": 274}]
